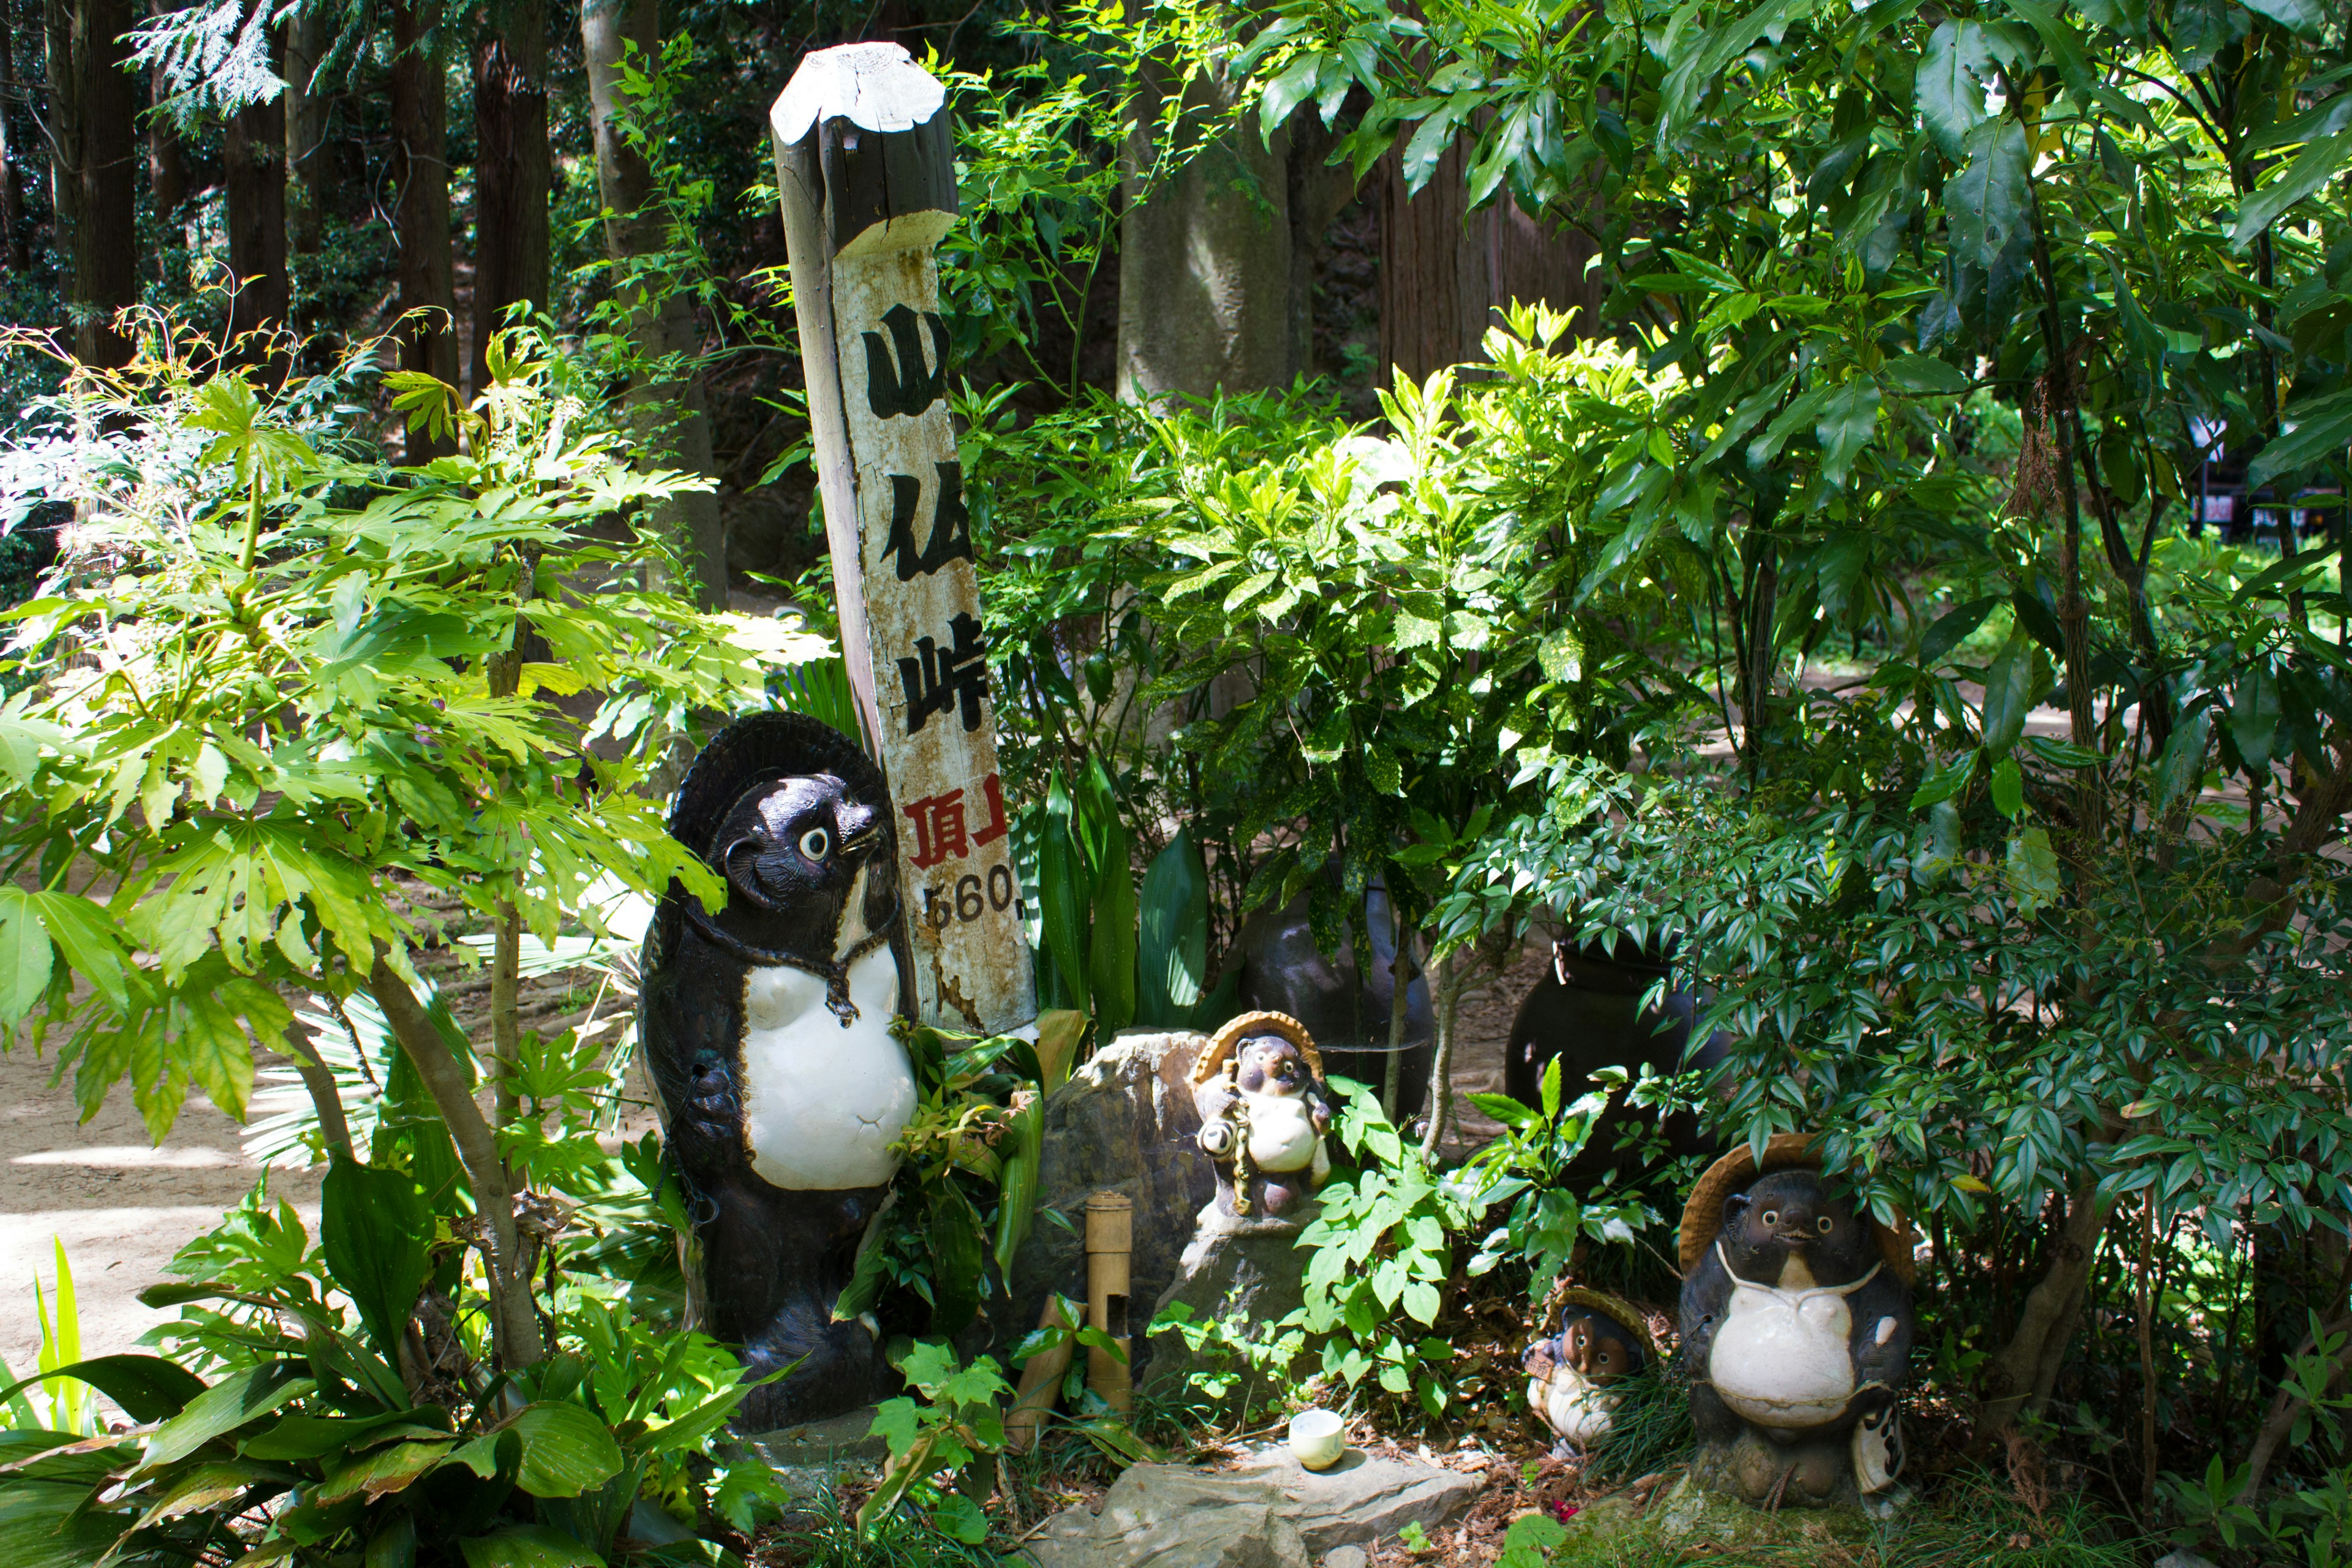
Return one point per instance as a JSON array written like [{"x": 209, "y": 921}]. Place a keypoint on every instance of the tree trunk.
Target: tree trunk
[
  {"x": 1204, "y": 261},
  {"x": 660, "y": 321},
  {"x": 93, "y": 112},
  {"x": 419, "y": 167},
  {"x": 1447, "y": 997},
  {"x": 2023, "y": 1373},
  {"x": 12, "y": 244},
  {"x": 309, "y": 32},
  {"x": 167, "y": 173},
  {"x": 1445, "y": 271},
  {"x": 254, "y": 163},
  {"x": 511, "y": 173}
]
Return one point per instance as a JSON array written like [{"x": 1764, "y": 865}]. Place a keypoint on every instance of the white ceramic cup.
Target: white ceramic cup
[{"x": 1317, "y": 1437}]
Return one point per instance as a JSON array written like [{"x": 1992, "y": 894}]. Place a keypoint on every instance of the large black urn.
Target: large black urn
[
  {"x": 766, "y": 1025},
  {"x": 1593, "y": 1009}
]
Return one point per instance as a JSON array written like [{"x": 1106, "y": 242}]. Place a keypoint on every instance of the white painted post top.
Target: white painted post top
[{"x": 878, "y": 86}]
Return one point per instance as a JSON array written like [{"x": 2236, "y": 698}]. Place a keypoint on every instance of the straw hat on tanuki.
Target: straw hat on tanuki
[
  {"x": 1222, "y": 1043},
  {"x": 1703, "y": 1215},
  {"x": 1622, "y": 1313}
]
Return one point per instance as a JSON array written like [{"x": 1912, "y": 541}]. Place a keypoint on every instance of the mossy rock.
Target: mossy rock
[{"x": 1685, "y": 1520}]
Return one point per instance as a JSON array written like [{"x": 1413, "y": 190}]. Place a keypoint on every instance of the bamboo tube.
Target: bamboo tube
[
  {"x": 1110, "y": 1238},
  {"x": 1041, "y": 1382}
]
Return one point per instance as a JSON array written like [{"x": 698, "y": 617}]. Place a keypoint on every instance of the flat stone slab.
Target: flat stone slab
[
  {"x": 1267, "y": 1512},
  {"x": 1363, "y": 1499},
  {"x": 813, "y": 1456}
]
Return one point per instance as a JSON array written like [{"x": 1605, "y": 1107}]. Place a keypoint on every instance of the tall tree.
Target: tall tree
[
  {"x": 308, "y": 34},
  {"x": 420, "y": 180},
  {"x": 512, "y": 175},
  {"x": 12, "y": 183},
  {"x": 253, "y": 164},
  {"x": 659, "y": 318},
  {"x": 93, "y": 111},
  {"x": 1445, "y": 268},
  {"x": 167, "y": 162},
  {"x": 1204, "y": 263}
]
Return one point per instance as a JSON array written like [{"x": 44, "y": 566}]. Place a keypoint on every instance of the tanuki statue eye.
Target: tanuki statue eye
[
  {"x": 1822, "y": 1225},
  {"x": 816, "y": 843},
  {"x": 1771, "y": 1217}
]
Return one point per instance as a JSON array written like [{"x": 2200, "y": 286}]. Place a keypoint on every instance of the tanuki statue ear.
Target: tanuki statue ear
[{"x": 1734, "y": 1207}]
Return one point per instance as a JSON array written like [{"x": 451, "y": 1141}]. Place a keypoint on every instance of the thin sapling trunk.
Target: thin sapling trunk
[{"x": 514, "y": 1318}]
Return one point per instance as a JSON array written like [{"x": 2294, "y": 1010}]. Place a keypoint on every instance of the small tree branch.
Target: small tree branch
[
  {"x": 333, "y": 1125},
  {"x": 514, "y": 1318}
]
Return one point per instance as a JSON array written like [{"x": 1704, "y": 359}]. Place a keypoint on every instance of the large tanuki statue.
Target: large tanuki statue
[
  {"x": 1796, "y": 1330},
  {"x": 767, "y": 1026}
]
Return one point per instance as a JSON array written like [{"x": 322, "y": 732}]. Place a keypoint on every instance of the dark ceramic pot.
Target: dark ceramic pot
[
  {"x": 1589, "y": 1013},
  {"x": 1346, "y": 1012}
]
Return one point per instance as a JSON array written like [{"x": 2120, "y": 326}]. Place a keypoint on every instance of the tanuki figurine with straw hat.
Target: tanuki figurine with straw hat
[
  {"x": 1796, "y": 1332},
  {"x": 1265, "y": 1112}
]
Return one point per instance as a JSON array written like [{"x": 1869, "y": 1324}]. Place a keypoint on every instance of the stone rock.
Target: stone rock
[
  {"x": 818, "y": 1456},
  {"x": 1264, "y": 1512},
  {"x": 1164, "y": 1516},
  {"x": 2181, "y": 1557},
  {"x": 1249, "y": 1267},
  {"x": 1363, "y": 1499},
  {"x": 1124, "y": 1124}
]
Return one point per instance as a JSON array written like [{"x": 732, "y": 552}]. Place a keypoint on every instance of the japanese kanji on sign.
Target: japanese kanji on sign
[{"x": 866, "y": 167}]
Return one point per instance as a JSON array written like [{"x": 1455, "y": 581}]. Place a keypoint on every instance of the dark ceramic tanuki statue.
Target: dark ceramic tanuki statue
[
  {"x": 1796, "y": 1331},
  {"x": 767, "y": 1029}
]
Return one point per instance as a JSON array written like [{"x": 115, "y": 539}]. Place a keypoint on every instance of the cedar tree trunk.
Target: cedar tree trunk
[
  {"x": 511, "y": 173},
  {"x": 660, "y": 323},
  {"x": 93, "y": 116},
  {"x": 309, "y": 166},
  {"x": 420, "y": 178},
  {"x": 254, "y": 163}
]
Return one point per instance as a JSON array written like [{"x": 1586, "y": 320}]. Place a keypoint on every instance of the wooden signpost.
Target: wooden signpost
[{"x": 866, "y": 166}]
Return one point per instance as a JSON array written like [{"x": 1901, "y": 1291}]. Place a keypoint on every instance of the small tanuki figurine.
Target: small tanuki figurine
[
  {"x": 1600, "y": 1341},
  {"x": 767, "y": 1030},
  {"x": 1796, "y": 1331},
  {"x": 1264, "y": 1113}
]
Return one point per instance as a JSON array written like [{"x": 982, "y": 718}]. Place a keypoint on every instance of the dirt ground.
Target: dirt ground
[{"x": 120, "y": 1206}]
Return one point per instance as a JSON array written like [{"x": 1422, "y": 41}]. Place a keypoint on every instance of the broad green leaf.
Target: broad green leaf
[
  {"x": 2009, "y": 693},
  {"x": 2304, "y": 16},
  {"x": 25, "y": 955},
  {"x": 2304, "y": 177},
  {"x": 1848, "y": 420},
  {"x": 566, "y": 1450},
  {"x": 240, "y": 1398},
  {"x": 2320, "y": 429},
  {"x": 1987, "y": 202},
  {"x": 527, "y": 1546},
  {"x": 2182, "y": 767},
  {"x": 148, "y": 1388},
  {"x": 2031, "y": 870},
  {"x": 374, "y": 1226},
  {"x": 1953, "y": 628},
  {"x": 2007, "y": 787},
  {"x": 1173, "y": 955},
  {"x": 2255, "y": 716},
  {"x": 1950, "y": 85}
]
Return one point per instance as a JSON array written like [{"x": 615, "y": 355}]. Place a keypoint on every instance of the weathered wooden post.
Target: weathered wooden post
[{"x": 866, "y": 167}]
